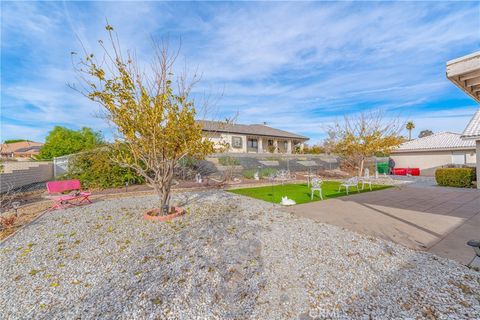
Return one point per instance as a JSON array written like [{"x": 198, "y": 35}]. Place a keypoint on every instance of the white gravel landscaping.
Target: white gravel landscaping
[{"x": 229, "y": 257}]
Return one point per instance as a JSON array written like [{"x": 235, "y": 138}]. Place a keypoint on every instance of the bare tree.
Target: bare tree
[{"x": 363, "y": 135}]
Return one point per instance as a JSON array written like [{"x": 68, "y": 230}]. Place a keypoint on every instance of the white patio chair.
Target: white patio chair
[
  {"x": 352, "y": 182},
  {"x": 366, "y": 180},
  {"x": 316, "y": 185}
]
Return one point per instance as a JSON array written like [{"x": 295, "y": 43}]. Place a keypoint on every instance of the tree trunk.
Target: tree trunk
[
  {"x": 165, "y": 198},
  {"x": 410, "y": 134},
  {"x": 166, "y": 187},
  {"x": 361, "y": 167}
]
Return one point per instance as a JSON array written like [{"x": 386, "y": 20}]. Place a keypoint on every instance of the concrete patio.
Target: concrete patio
[{"x": 435, "y": 219}]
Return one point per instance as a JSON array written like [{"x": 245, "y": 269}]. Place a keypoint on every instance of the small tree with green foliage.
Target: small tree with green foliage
[
  {"x": 152, "y": 113},
  {"x": 63, "y": 141},
  {"x": 425, "y": 133}
]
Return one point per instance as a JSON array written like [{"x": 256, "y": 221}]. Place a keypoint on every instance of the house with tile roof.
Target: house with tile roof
[
  {"x": 435, "y": 151},
  {"x": 20, "y": 150},
  {"x": 251, "y": 138}
]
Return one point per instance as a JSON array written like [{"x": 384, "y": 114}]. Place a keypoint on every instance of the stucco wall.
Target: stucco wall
[
  {"x": 471, "y": 158},
  {"x": 428, "y": 162},
  {"x": 221, "y": 139}
]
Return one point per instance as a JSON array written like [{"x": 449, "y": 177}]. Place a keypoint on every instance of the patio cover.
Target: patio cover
[{"x": 465, "y": 73}]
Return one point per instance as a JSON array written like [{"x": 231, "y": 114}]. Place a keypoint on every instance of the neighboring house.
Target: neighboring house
[
  {"x": 254, "y": 138},
  {"x": 434, "y": 151},
  {"x": 20, "y": 150},
  {"x": 465, "y": 73}
]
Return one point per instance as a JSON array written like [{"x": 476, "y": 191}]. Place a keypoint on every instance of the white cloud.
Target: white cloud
[{"x": 294, "y": 65}]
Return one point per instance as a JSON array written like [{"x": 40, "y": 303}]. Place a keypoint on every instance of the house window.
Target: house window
[
  {"x": 237, "y": 142},
  {"x": 252, "y": 143},
  {"x": 270, "y": 143}
]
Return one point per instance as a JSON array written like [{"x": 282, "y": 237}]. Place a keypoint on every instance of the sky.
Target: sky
[{"x": 299, "y": 66}]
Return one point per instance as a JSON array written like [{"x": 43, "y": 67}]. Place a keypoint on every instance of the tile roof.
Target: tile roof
[
  {"x": 32, "y": 149},
  {"x": 249, "y": 129},
  {"x": 437, "y": 141},
  {"x": 15, "y": 146},
  {"x": 472, "y": 131}
]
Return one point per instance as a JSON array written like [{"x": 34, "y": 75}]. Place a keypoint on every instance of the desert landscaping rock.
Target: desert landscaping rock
[{"x": 228, "y": 257}]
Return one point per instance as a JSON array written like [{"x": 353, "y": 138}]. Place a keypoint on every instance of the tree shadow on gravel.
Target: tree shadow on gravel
[{"x": 205, "y": 265}]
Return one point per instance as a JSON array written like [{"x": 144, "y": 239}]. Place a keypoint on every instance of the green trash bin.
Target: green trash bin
[{"x": 382, "y": 167}]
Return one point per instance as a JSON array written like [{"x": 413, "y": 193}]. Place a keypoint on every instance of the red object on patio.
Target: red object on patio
[
  {"x": 406, "y": 171},
  {"x": 76, "y": 197}
]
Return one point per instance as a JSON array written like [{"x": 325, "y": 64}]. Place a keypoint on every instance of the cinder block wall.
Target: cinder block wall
[
  {"x": 9, "y": 166},
  {"x": 293, "y": 162},
  {"x": 17, "y": 178}
]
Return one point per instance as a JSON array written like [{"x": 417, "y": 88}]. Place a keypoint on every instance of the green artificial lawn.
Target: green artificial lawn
[{"x": 300, "y": 192}]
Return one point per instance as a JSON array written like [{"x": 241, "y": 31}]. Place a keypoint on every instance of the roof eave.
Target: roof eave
[
  {"x": 256, "y": 134},
  {"x": 464, "y": 72},
  {"x": 434, "y": 149},
  {"x": 469, "y": 137}
]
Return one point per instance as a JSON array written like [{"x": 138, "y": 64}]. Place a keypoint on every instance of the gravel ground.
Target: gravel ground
[{"x": 229, "y": 257}]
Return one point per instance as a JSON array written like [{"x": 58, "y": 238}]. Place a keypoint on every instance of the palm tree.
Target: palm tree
[{"x": 410, "y": 126}]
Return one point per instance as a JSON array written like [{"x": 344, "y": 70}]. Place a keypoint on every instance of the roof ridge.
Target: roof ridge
[{"x": 443, "y": 132}]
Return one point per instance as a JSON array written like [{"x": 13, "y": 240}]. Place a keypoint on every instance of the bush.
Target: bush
[
  {"x": 187, "y": 168},
  {"x": 228, "y": 161},
  {"x": 262, "y": 173},
  {"x": 249, "y": 173},
  {"x": 454, "y": 177},
  {"x": 63, "y": 141},
  {"x": 95, "y": 169},
  {"x": 265, "y": 172},
  {"x": 8, "y": 221}
]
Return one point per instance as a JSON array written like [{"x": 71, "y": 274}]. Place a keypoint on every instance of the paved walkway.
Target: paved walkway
[{"x": 435, "y": 219}]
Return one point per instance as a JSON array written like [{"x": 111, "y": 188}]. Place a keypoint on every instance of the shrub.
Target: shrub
[
  {"x": 249, "y": 173},
  {"x": 187, "y": 168},
  {"x": 228, "y": 161},
  {"x": 454, "y": 177},
  {"x": 187, "y": 162},
  {"x": 265, "y": 172},
  {"x": 262, "y": 173},
  {"x": 8, "y": 222},
  {"x": 95, "y": 169}
]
